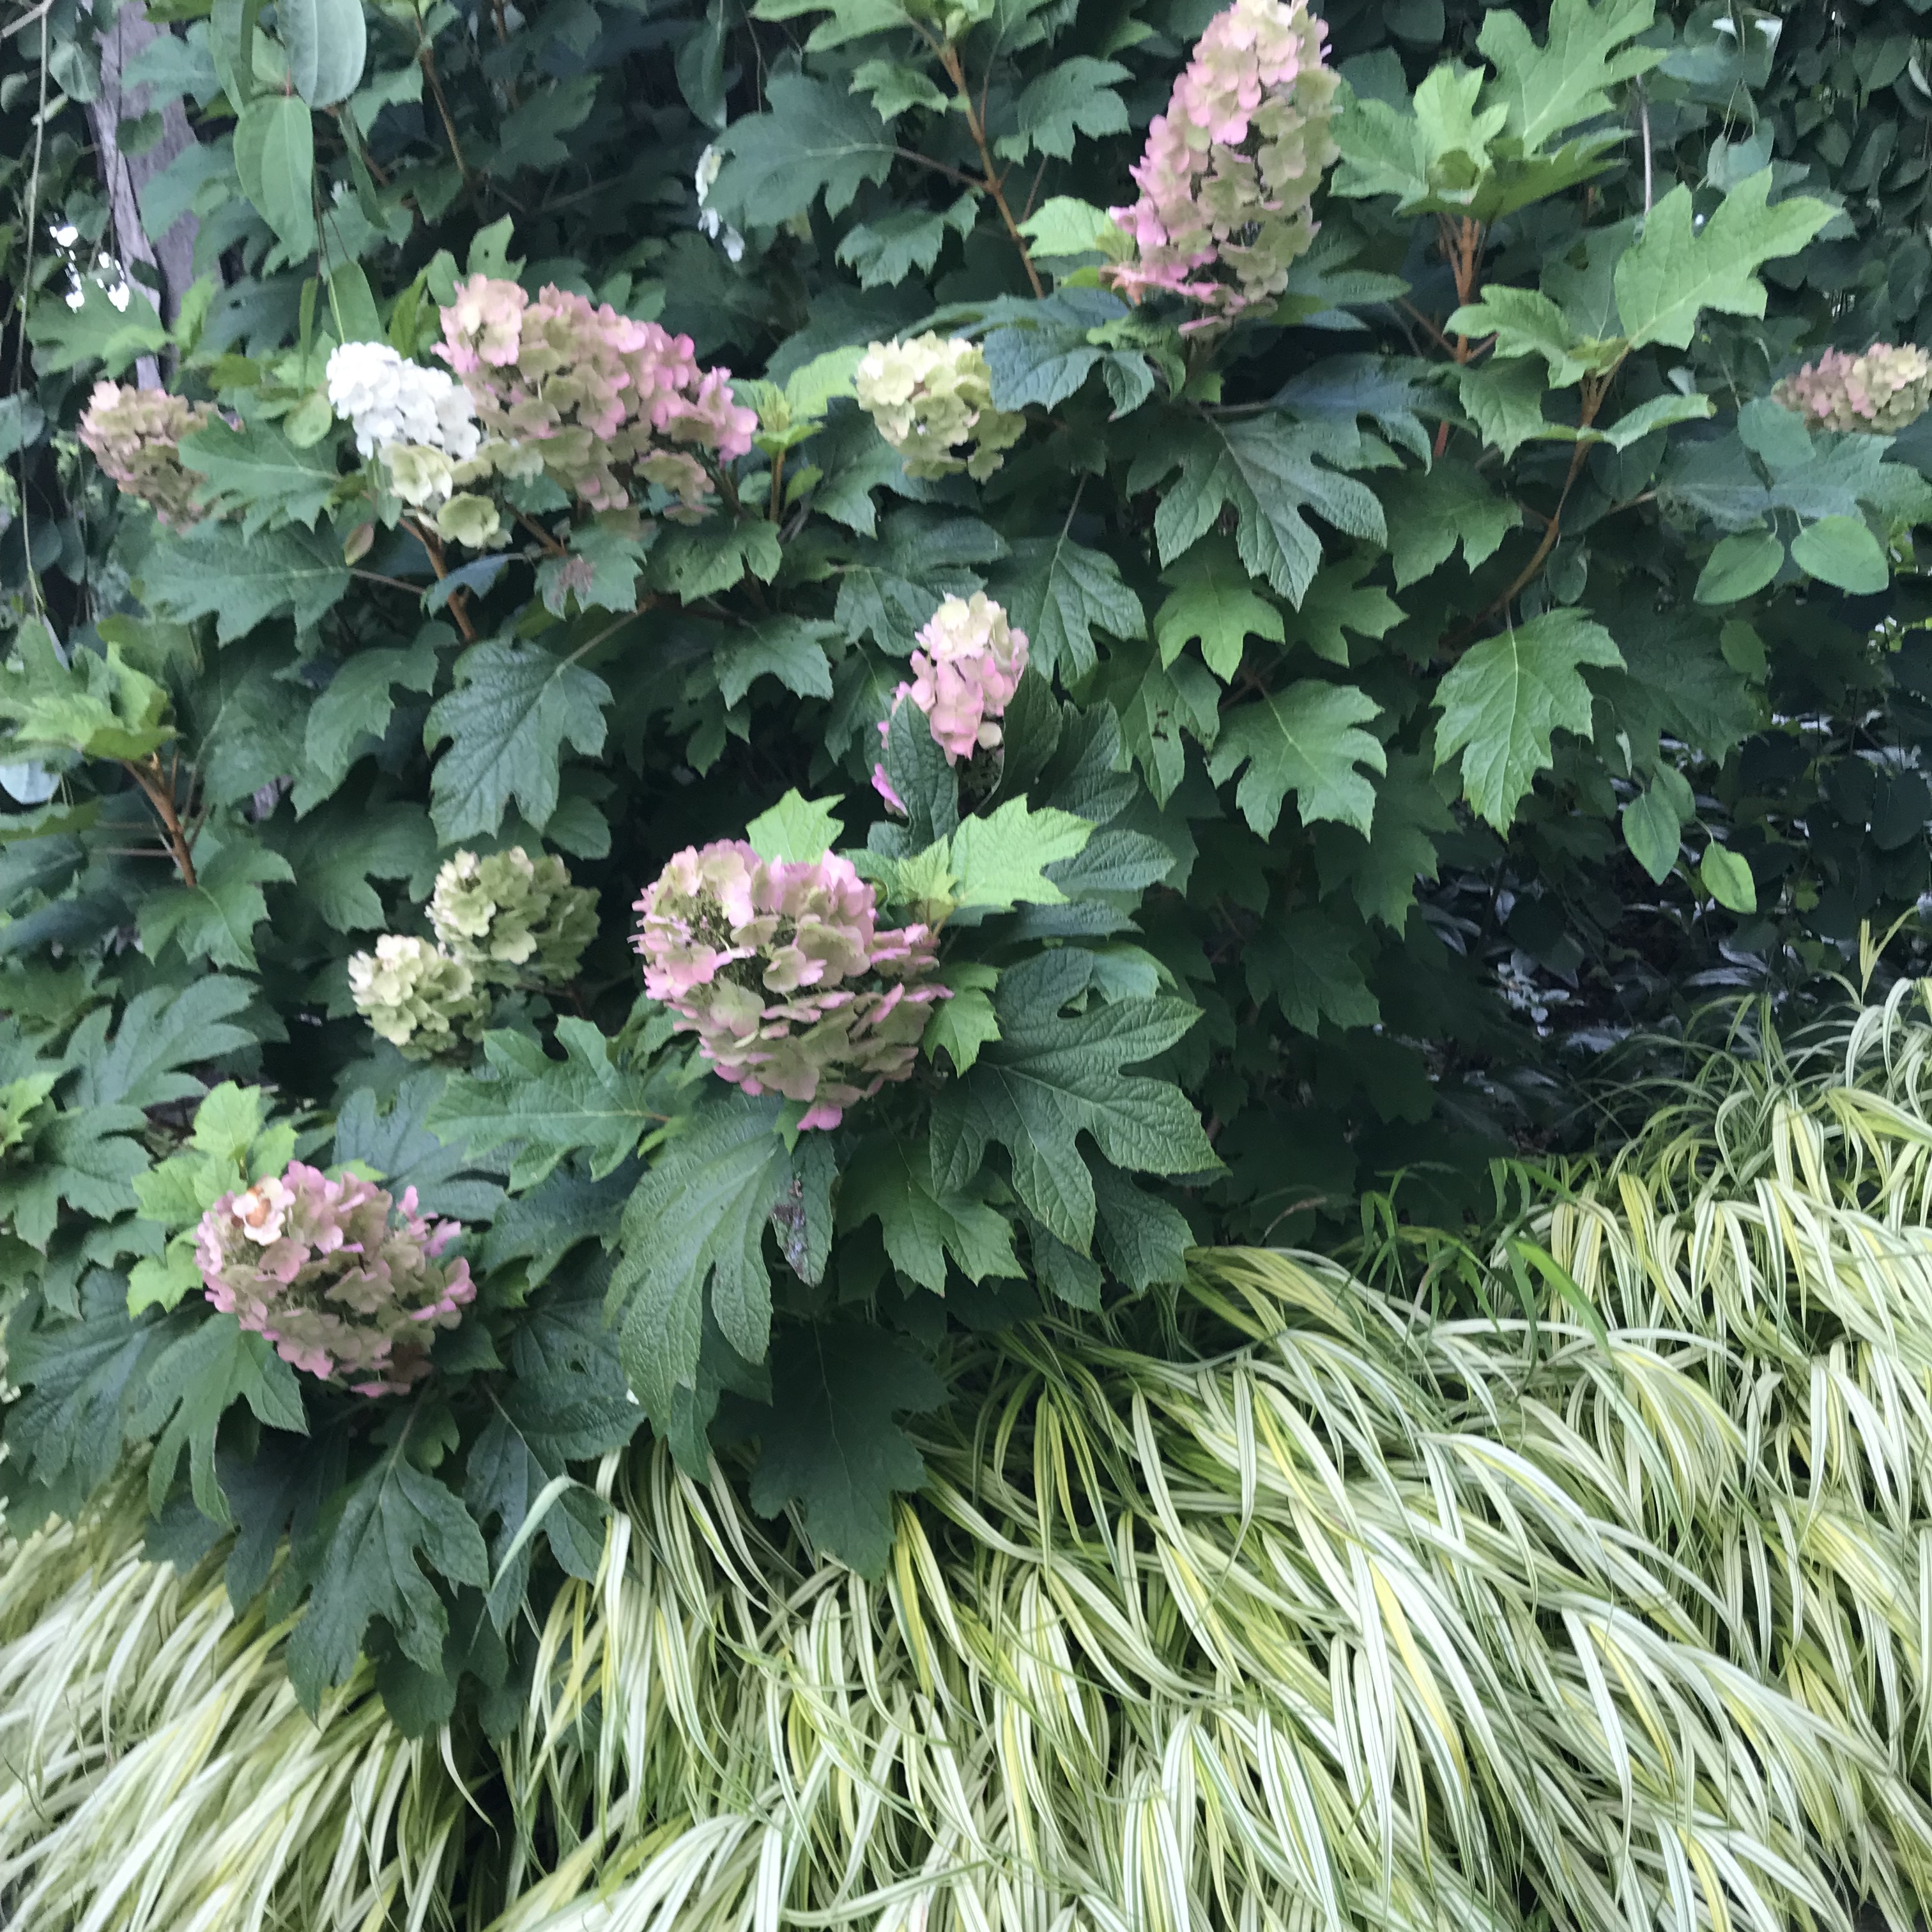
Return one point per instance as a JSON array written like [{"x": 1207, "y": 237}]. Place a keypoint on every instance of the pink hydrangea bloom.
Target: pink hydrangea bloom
[
  {"x": 783, "y": 972},
  {"x": 1879, "y": 392},
  {"x": 1231, "y": 168},
  {"x": 968, "y": 665},
  {"x": 345, "y": 1290},
  {"x": 590, "y": 393},
  {"x": 135, "y": 436}
]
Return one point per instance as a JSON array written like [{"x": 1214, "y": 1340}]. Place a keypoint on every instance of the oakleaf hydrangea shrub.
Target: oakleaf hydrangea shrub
[
  {"x": 135, "y": 436},
  {"x": 349, "y": 1284},
  {"x": 1231, "y": 168},
  {"x": 1879, "y": 393},
  {"x": 786, "y": 976},
  {"x": 932, "y": 399},
  {"x": 1339, "y": 668}
]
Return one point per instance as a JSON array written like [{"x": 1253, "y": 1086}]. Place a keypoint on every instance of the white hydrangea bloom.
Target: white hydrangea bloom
[
  {"x": 710, "y": 222},
  {"x": 390, "y": 399}
]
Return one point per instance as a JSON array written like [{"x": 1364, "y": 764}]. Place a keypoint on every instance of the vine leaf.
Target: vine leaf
[
  {"x": 1504, "y": 701},
  {"x": 514, "y": 709}
]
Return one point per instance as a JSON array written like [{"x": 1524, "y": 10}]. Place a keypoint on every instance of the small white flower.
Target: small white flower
[
  {"x": 709, "y": 221},
  {"x": 260, "y": 1211},
  {"x": 390, "y": 399}
]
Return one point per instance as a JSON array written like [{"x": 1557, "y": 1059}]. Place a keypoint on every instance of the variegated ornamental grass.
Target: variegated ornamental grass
[{"x": 1336, "y": 1614}]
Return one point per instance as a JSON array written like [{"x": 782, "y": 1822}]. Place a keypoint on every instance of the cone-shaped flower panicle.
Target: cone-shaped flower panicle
[
  {"x": 932, "y": 399},
  {"x": 784, "y": 973},
  {"x": 1879, "y": 392},
  {"x": 509, "y": 916},
  {"x": 580, "y": 393},
  {"x": 967, "y": 664},
  {"x": 348, "y": 1285},
  {"x": 135, "y": 436},
  {"x": 422, "y": 1000},
  {"x": 1231, "y": 168}
]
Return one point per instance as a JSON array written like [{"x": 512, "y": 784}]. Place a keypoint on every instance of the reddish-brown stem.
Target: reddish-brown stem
[
  {"x": 157, "y": 787},
  {"x": 994, "y": 183},
  {"x": 542, "y": 535},
  {"x": 458, "y": 604},
  {"x": 1461, "y": 245}
]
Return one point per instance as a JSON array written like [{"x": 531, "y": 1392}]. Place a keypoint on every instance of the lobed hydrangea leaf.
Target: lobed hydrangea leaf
[
  {"x": 1074, "y": 96},
  {"x": 255, "y": 474},
  {"x": 395, "y": 1529},
  {"x": 215, "y": 918},
  {"x": 795, "y": 829},
  {"x": 792, "y": 649},
  {"x": 92, "y": 703},
  {"x": 1545, "y": 91},
  {"x": 515, "y": 708},
  {"x": 997, "y": 859},
  {"x": 1431, "y": 513},
  {"x": 1505, "y": 699},
  {"x": 924, "y": 1225},
  {"x": 1213, "y": 602},
  {"x": 215, "y": 571},
  {"x": 813, "y": 139},
  {"x": 830, "y": 1443},
  {"x": 884, "y": 252},
  {"x": 1060, "y": 593},
  {"x": 1309, "y": 963},
  {"x": 1307, "y": 740}
]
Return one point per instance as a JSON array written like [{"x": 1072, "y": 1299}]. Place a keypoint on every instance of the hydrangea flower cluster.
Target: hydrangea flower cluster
[
  {"x": 580, "y": 392},
  {"x": 1879, "y": 392},
  {"x": 968, "y": 665},
  {"x": 344, "y": 1289},
  {"x": 135, "y": 436},
  {"x": 511, "y": 916},
  {"x": 389, "y": 400},
  {"x": 423, "y": 1001},
  {"x": 931, "y": 396},
  {"x": 1230, "y": 169},
  {"x": 784, "y": 975}
]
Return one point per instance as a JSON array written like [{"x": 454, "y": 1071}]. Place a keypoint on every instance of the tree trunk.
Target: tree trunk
[{"x": 171, "y": 260}]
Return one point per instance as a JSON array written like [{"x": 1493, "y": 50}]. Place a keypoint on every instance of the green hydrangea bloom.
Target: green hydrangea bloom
[
  {"x": 422, "y": 1001},
  {"x": 509, "y": 916}
]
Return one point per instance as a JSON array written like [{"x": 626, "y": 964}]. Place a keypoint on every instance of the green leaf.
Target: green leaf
[
  {"x": 1212, "y": 601},
  {"x": 213, "y": 570},
  {"x": 830, "y": 1444},
  {"x": 99, "y": 706},
  {"x": 600, "y": 572},
  {"x": 275, "y": 159},
  {"x": 255, "y": 474},
  {"x": 1660, "y": 412},
  {"x": 1337, "y": 602},
  {"x": 1507, "y": 697},
  {"x": 1545, "y": 91},
  {"x": 353, "y": 712},
  {"x": 699, "y": 563},
  {"x": 1307, "y": 959},
  {"x": 796, "y": 829},
  {"x": 699, "y": 1218},
  {"x": 792, "y": 649},
  {"x": 1060, "y": 594},
  {"x": 1049, "y": 1079},
  {"x": 1306, "y": 740},
  {"x": 959, "y": 1027},
  {"x": 1430, "y": 512},
  {"x": 515, "y": 708},
  {"x": 1524, "y": 322},
  {"x": 895, "y": 87},
  {"x": 1727, "y": 878},
  {"x": 1843, "y": 552},
  {"x": 369, "y": 1559},
  {"x": 1073, "y": 97},
  {"x": 890, "y": 1179},
  {"x": 188, "y": 1387},
  {"x": 216, "y": 917},
  {"x": 814, "y": 139},
  {"x": 337, "y": 852},
  {"x": 1676, "y": 269},
  {"x": 997, "y": 859},
  {"x": 589, "y": 1102},
  {"x": 1654, "y": 831},
  {"x": 1740, "y": 566},
  {"x": 884, "y": 252},
  {"x": 1504, "y": 401},
  {"x": 94, "y": 331},
  {"x": 1264, "y": 468},
  {"x": 327, "y": 43},
  {"x": 1381, "y": 871},
  {"x": 1063, "y": 225}
]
